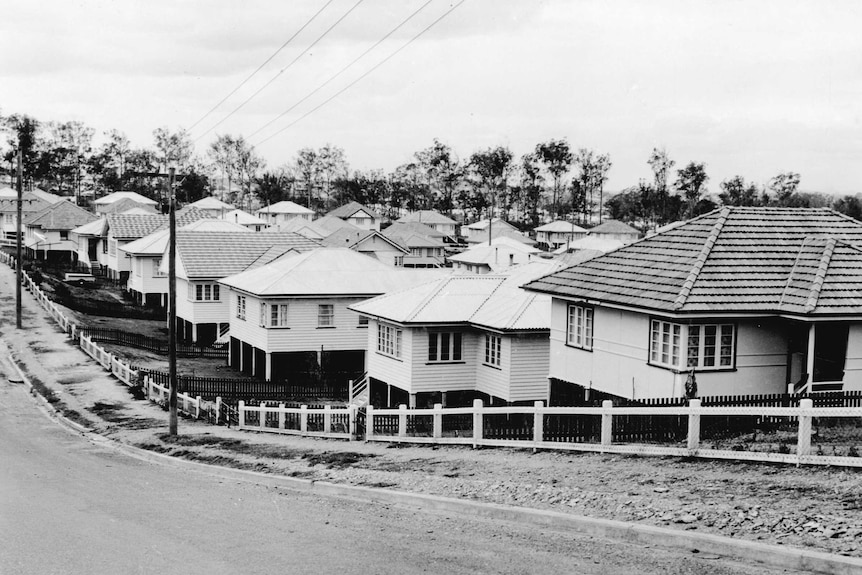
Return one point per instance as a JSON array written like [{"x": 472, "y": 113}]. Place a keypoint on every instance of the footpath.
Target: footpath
[{"x": 720, "y": 507}]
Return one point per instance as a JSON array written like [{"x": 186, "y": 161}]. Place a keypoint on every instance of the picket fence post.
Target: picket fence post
[
  {"x": 241, "y": 415},
  {"x": 352, "y": 411},
  {"x": 281, "y": 416},
  {"x": 607, "y": 423},
  {"x": 438, "y": 420},
  {"x": 538, "y": 424},
  {"x": 303, "y": 419},
  {"x": 803, "y": 442},
  {"x": 478, "y": 404},
  {"x": 694, "y": 426},
  {"x": 369, "y": 422},
  {"x": 218, "y": 409},
  {"x": 262, "y": 419},
  {"x": 402, "y": 420},
  {"x": 327, "y": 418}
]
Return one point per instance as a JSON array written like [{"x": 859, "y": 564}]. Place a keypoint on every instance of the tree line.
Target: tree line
[{"x": 553, "y": 181}]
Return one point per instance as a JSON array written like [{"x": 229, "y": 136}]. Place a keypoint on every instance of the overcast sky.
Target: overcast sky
[{"x": 748, "y": 87}]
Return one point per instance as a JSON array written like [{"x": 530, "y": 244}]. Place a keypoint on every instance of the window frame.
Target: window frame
[
  {"x": 690, "y": 335},
  {"x": 278, "y": 315},
  {"x": 493, "y": 350},
  {"x": 580, "y": 326},
  {"x": 321, "y": 316},
  {"x": 240, "y": 307},
  {"x": 389, "y": 340},
  {"x": 445, "y": 347}
]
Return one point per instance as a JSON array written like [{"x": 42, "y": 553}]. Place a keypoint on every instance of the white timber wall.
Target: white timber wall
[
  {"x": 202, "y": 311},
  {"x": 437, "y": 376},
  {"x": 853, "y": 364},
  {"x": 392, "y": 370},
  {"x": 530, "y": 360}
]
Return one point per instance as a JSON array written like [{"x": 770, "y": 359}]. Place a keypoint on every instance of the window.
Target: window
[
  {"x": 240, "y": 307},
  {"x": 363, "y": 321},
  {"x": 112, "y": 248},
  {"x": 444, "y": 346},
  {"x": 206, "y": 292},
  {"x": 64, "y": 235},
  {"x": 707, "y": 346},
  {"x": 157, "y": 263},
  {"x": 325, "y": 315},
  {"x": 389, "y": 340},
  {"x": 9, "y": 219},
  {"x": 261, "y": 317},
  {"x": 104, "y": 246},
  {"x": 579, "y": 327},
  {"x": 493, "y": 343},
  {"x": 278, "y": 315}
]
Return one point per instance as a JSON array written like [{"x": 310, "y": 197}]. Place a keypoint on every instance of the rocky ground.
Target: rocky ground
[{"x": 810, "y": 507}]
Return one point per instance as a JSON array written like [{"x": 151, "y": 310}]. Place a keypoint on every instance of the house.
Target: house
[
  {"x": 203, "y": 312},
  {"x": 503, "y": 253},
  {"x": 244, "y": 219},
  {"x": 284, "y": 211},
  {"x": 92, "y": 246},
  {"x": 148, "y": 278},
  {"x": 559, "y": 233},
  {"x": 358, "y": 215},
  {"x": 478, "y": 232},
  {"x": 126, "y": 206},
  {"x": 31, "y": 203},
  {"x": 316, "y": 230},
  {"x": 289, "y": 320},
  {"x": 370, "y": 243},
  {"x": 102, "y": 203},
  {"x": 432, "y": 219},
  {"x": 750, "y": 300},
  {"x": 460, "y": 337},
  {"x": 615, "y": 230},
  {"x": 591, "y": 242},
  {"x": 425, "y": 244},
  {"x": 47, "y": 235},
  {"x": 212, "y": 206}
]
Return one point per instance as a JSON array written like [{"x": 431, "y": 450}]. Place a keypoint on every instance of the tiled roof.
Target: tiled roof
[
  {"x": 8, "y": 193},
  {"x": 207, "y": 254},
  {"x": 614, "y": 227},
  {"x": 60, "y": 216},
  {"x": 426, "y": 217},
  {"x": 285, "y": 207},
  {"x": 489, "y": 301},
  {"x": 327, "y": 271},
  {"x": 731, "y": 260},
  {"x": 30, "y": 203},
  {"x": 350, "y": 209},
  {"x": 561, "y": 226},
  {"x": 133, "y": 226}
]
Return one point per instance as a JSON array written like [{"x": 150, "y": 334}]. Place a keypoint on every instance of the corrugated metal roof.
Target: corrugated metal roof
[
  {"x": 350, "y": 209},
  {"x": 117, "y": 196},
  {"x": 427, "y": 217},
  {"x": 285, "y": 207},
  {"x": 327, "y": 271},
  {"x": 734, "y": 259},
  {"x": 211, "y": 203},
  {"x": 561, "y": 226},
  {"x": 614, "y": 227}
]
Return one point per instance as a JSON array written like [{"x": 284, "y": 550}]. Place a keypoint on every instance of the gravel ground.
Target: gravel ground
[{"x": 810, "y": 507}]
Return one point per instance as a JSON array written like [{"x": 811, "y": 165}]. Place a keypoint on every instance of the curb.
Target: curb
[{"x": 632, "y": 533}]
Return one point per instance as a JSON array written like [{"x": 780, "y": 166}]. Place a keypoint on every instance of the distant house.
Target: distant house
[
  {"x": 289, "y": 319},
  {"x": 615, "y": 230},
  {"x": 31, "y": 203},
  {"x": 559, "y": 233},
  {"x": 148, "y": 278},
  {"x": 751, "y": 300},
  {"x": 284, "y": 211},
  {"x": 102, "y": 203},
  {"x": 92, "y": 245},
  {"x": 370, "y": 243},
  {"x": 477, "y": 232},
  {"x": 434, "y": 220},
  {"x": 425, "y": 244},
  {"x": 47, "y": 231},
  {"x": 203, "y": 312},
  {"x": 315, "y": 230},
  {"x": 212, "y": 206},
  {"x": 127, "y": 205},
  {"x": 502, "y": 254},
  {"x": 358, "y": 215},
  {"x": 460, "y": 337},
  {"x": 245, "y": 219}
]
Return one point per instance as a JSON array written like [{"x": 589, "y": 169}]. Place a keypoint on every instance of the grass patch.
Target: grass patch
[{"x": 337, "y": 459}]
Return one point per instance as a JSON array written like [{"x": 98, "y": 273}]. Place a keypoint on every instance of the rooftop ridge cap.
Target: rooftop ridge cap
[
  {"x": 817, "y": 284},
  {"x": 685, "y": 290},
  {"x": 792, "y": 272}
]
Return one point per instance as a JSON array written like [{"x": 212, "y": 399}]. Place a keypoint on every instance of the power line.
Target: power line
[
  {"x": 267, "y": 61},
  {"x": 280, "y": 72},
  {"x": 319, "y": 106},
  {"x": 344, "y": 69}
]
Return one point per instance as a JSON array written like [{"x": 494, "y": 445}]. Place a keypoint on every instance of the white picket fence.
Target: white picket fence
[
  {"x": 161, "y": 393},
  {"x": 331, "y": 422}
]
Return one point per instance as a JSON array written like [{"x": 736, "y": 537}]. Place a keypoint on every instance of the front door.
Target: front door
[{"x": 830, "y": 351}]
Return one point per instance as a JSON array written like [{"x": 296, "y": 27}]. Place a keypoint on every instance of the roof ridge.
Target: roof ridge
[
  {"x": 792, "y": 271},
  {"x": 817, "y": 284},
  {"x": 701, "y": 259}
]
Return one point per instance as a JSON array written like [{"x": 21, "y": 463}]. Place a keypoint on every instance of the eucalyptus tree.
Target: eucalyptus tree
[
  {"x": 444, "y": 173},
  {"x": 691, "y": 184},
  {"x": 556, "y": 156},
  {"x": 491, "y": 169}
]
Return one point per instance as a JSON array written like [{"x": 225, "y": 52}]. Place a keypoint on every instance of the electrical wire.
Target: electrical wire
[
  {"x": 319, "y": 106},
  {"x": 280, "y": 72},
  {"x": 267, "y": 61},
  {"x": 340, "y": 72}
]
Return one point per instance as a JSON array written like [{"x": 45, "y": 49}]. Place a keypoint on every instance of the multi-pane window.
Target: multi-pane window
[
  {"x": 444, "y": 346},
  {"x": 325, "y": 315},
  {"x": 206, "y": 292},
  {"x": 493, "y": 343},
  {"x": 157, "y": 264},
  {"x": 703, "y": 346},
  {"x": 363, "y": 321},
  {"x": 64, "y": 235},
  {"x": 278, "y": 315},
  {"x": 579, "y": 327},
  {"x": 389, "y": 340},
  {"x": 240, "y": 307},
  {"x": 112, "y": 248},
  {"x": 261, "y": 316}
]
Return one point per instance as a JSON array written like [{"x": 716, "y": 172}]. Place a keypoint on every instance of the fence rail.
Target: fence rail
[
  {"x": 333, "y": 423},
  {"x": 120, "y": 337}
]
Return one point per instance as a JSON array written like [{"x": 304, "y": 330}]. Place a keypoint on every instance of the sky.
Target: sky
[{"x": 753, "y": 87}]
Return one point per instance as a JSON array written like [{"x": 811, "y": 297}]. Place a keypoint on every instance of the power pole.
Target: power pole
[
  {"x": 19, "y": 266},
  {"x": 172, "y": 306}
]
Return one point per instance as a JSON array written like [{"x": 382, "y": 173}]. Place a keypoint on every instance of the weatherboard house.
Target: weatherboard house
[{"x": 752, "y": 300}]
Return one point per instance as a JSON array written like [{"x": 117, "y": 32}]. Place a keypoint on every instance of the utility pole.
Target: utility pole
[
  {"x": 19, "y": 240},
  {"x": 172, "y": 306}
]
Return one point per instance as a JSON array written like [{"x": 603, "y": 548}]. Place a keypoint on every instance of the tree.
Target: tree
[
  {"x": 272, "y": 187},
  {"x": 691, "y": 182},
  {"x": 247, "y": 164},
  {"x": 850, "y": 206},
  {"x": 444, "y": 173},
  {"x": 592, "y": 175},
  {"x": 307, "y": 168},
  {"x": 784, "y": 186},
  {"x": 222, "y": 153},
  {"x": 194, "y": 185},
  {"x": 116, "y": 149},
  {"x": 531, "y": 188},
  {"x": 491, "y": 169},
  {"x": 140, "y": 162},
  {"x": 174, "y": 148},
  {"x": 735, "y": 192},
  {"x": 23, "y": 132},
  {"x": 331, "y": 164},
  {"x": 661, "y": 164},
  {"x": 557, "y": 158}
]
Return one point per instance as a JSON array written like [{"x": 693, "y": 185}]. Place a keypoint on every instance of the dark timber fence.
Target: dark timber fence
[{"x": 119, "y": 337}]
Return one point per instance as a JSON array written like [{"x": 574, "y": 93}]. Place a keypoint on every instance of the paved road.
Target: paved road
[{"x": 71, "y": 505}]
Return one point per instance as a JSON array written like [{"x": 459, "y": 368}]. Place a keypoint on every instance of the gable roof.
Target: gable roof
[
  {"x": 211, "y": 203},
  {"x": 498, "y": 231},
  {"x": 327, "y": 271},
  {"x": 489, "y": 301},
  {"x": 349, "y": 209},
  {"x": 285, "y": 207},
  {"x": 614, "y": 227},
  {"x": 63, "y": 216},
  {"x": 496, "y": 222},
  {"x": 240, "y": 249},
  {"x": 117, "y": 196},
  {"x": 560, "y": 226},
  {"x": 124, "y": 205},
  {"x": 426, "y": 217},
  {"x": 731, "y": 260},
  {"x": 414, "y": 235},
  {"x": 347, "y": 238}
]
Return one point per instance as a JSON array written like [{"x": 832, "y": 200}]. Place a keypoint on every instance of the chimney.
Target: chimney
[{"x": 511, "y": 260}]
